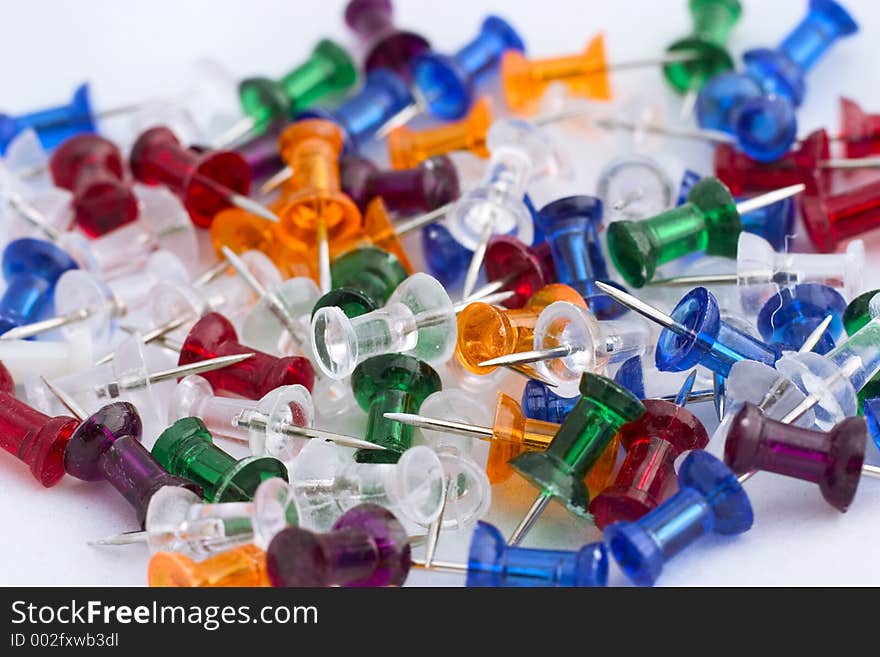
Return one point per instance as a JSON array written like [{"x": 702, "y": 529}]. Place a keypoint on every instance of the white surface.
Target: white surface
[{"x": 129, "y": 50}]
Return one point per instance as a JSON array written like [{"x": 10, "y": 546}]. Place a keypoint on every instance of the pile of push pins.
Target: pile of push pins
[{"x": 314, "y": 311}]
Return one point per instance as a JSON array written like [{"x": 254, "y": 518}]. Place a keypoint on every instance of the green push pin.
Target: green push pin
[
  {"x": 362, "y": 280},
  {"x": 559, "y": 470},
  {"x": 708, "y": 222},
  {"x": 391, "y": 383},
  {"x": 713, "y": 23},
  {"x": 329, "y": 70},
  {"x": 187, "y": 450},
  {"x": 857, "y": 314}
]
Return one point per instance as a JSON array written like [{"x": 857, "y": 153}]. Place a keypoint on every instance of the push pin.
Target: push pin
[
  {"x": 391, "y": 383},
  {"x": 521, "y": 154},
  {"x": 758, "y": 105},
  {"x": 31, "y": 268},
  {"x": 486, "y": 332},
  {"x": 107, "y": 446},
  {"x": 366, "y": 547},
  {"x": 491, "y": 562},
  {"x": 407, "y": 148},
  {"x": 695, "y": 334},
  {"x": 54, "y": 125},
  {"x": 84, "y": 301},
  {"x": 858, "y": 313},
  {"x": 445, "y": 86},
  {"x": 241, "y": 566},
  {"x": 186, "y": 449},
  {"x": 328, "y": 70},
  {"x": 569, "y": 341},
  {"x": 709, "y": 500},
  {"x": 512, "y": 265},
  {"x": 205, "y": 182},
  {"x": 762, "y": 272},
  {"x": 326, "y": 482},
  {"x": 313, "y": 195},
  {"x": 794, "y": 313},
  {"x": 271, "y": 426},
  {"x": 833, "y": 459},
  {"x": 832, "y": 381},
  {"x": 633, "y": 186},
  {"x": 559, "y": 470},
  {"x": 179, "y": 521},
  {"x": 26, "y": 211},
  {"x": 713, "y": 22},
  {"x": 386, "y": 46},
  {"x": 709, "y": 222},
  {"x": 35, "y": 439},
  {"x": 652, "y": 443},
  {"x": 419, "y": 319},
  {"x": 213, "y": 335},
  {"x": 468, "y": 492},
  {"x": 428, "y": 186},
  {"x": 571, "y": 225},
  {"x": 130, "y": 378},
  {"x": 382, "y": 97},
  {"x": 94, "y": 170}
]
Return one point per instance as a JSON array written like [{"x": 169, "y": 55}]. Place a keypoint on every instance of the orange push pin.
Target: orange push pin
[
  {"x": 484, "y": 329},
  {"x": 241, "y": 566},
  {"x": 512, "y": 434},
  {"x": 584, "y": 74},
  {"x": 407, "y": 148},
  {"x": 313, "y": 194}
]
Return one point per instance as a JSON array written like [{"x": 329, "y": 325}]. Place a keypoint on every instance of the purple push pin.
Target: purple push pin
[
  {"x": 367, "y": 547},
  {"x": 833, "y": 459},
  {"x": 106, "y": 446},
  {"x": 387, "y": 46}
]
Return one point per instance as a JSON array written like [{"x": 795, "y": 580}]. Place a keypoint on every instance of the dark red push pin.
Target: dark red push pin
[
  {"x": 32, "y": 437},
  {"x": 213, "y": 335},
  {"x": 387, "y": 46},
  {"x": 833, "y": 459},
  {"x": 512, "y": 265},
  {"x": 652, "y": 444},
  {"x": 430, "y": 185},
  {"x": 367, "y": 546},
  {"x": 93, "y": 169},
  {"x": 206, "y": 182}
]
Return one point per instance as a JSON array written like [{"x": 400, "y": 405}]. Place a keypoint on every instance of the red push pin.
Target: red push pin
[
  {"x": 213, "y": 335},
  {"x": 513, "y": 266},
  {"x": 652, "y": 444},
  {"x": 36, "y": 439},
  {"x": 206, "y": 182},
  {"x": 832, "y": 218},
  {"x": 94, "y": 170}
]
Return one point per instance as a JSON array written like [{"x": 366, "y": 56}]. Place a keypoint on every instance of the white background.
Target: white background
[{"x": 131, "y": 50}]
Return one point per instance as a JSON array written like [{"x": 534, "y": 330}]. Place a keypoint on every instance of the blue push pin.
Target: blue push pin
[
  {"x": 871, "y": 410},
  {"x": 631, "y": 376},
  {"x": 31, "y": 268},
  {"x": 491, "y": 562},
  {"x": 710, "y": 499},
  {"x": 539, "y": 402},
  {"x": 774, "y": 222},
  {"x": 383, "y": 96},
  {"x": 571, "y": 225},
  {"x": 790, "y": 316},
  {"x": 694, "y": 334},
  {"x": 758, "y": 106},
  {"x": 445, "y": 85},
  {"x": 53, "y": 125}
]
